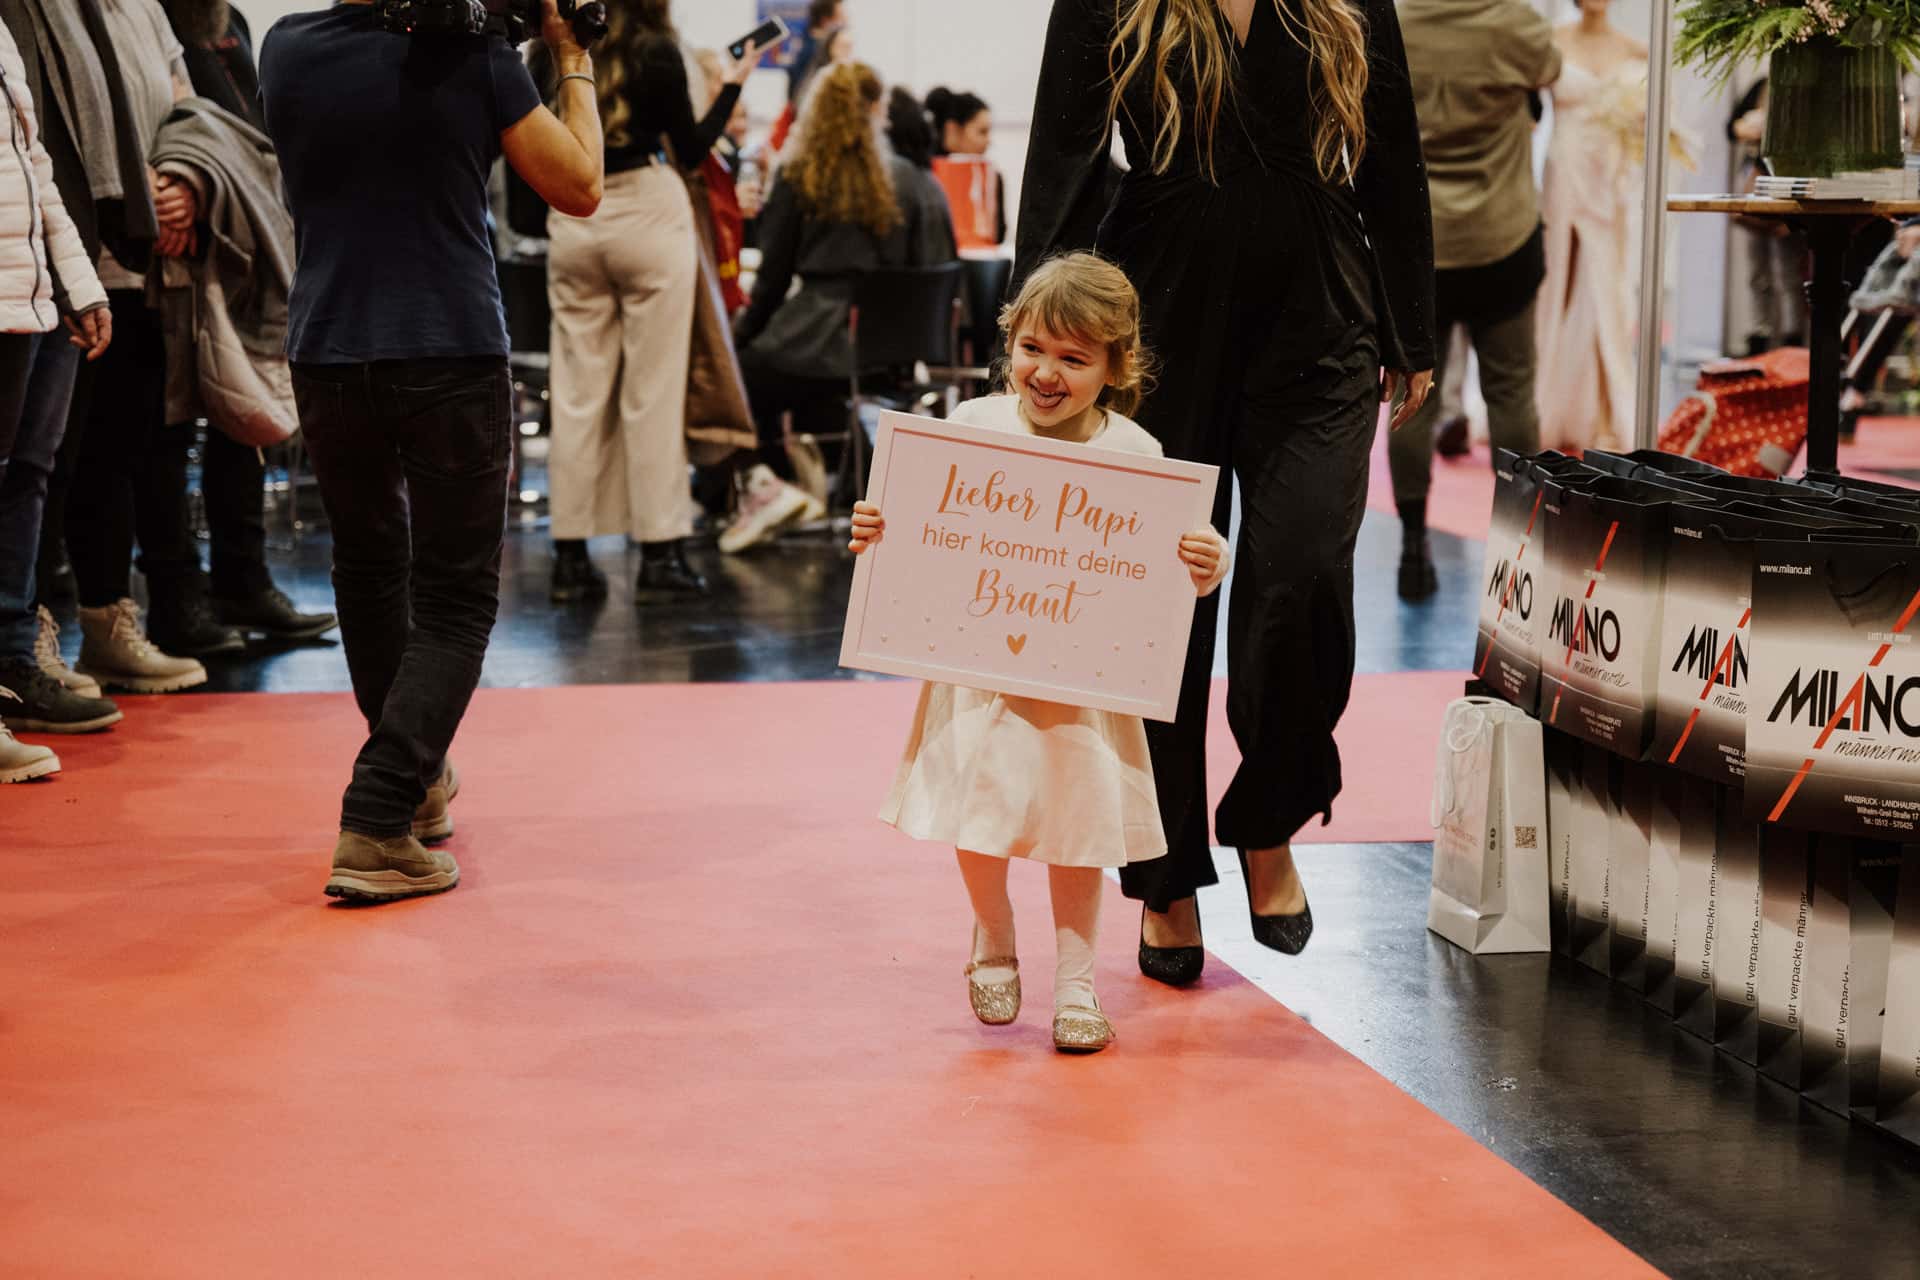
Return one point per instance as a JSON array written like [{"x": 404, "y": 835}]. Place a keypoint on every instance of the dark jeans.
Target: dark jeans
[
  {"x": 39, "y": 411},
  {"x": 116, "y": 492},
  {"x": 53, "y": 516},
  {"x": 16, "y": 358},
  {"x": 818, "y": 405},
  {"x": 413, "y": 459},
  {"x": 232, "y": 485}
]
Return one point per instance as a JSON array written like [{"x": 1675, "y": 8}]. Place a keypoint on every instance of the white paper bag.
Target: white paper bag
[{"x": 1490, "y": 842}]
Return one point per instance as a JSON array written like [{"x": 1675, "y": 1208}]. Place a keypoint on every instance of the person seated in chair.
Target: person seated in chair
[{"x": 835, "y": 212}]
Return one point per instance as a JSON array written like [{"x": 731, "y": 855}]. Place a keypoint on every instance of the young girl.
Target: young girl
[{"x": 1001, "y": 777}]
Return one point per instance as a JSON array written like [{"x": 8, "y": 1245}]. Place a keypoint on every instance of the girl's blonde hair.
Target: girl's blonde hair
[
  {"x": 839, "y": 172},
  {"x": 1083, "y": 296},
  {"x": 1331, "y": 31}
]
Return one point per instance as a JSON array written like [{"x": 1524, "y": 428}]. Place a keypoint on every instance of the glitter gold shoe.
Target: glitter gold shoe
[
  {"x": 995, "y": 1003},
  {"x": 1077, "y": 1029}
]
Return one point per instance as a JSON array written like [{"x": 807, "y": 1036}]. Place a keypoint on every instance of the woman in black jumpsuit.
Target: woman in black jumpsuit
[{"x": 1273, "y": 298}]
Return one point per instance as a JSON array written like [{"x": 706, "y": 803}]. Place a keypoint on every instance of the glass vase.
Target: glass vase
[{"x": 1832, "y": 109}]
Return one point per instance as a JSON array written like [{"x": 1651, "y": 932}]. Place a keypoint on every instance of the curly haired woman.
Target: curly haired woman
[
  {"x": 833, "y": 213},
  {"x": 621, "y": 286},
  {"x": 1276, "y": 223}
]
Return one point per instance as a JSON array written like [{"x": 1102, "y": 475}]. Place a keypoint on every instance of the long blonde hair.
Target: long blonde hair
[
  {"x": 1331, "y": 32},
  {"x": 838, "y": 171},
  {"x": 1083, "y": 296},
  {"x": 630, "y": 23}
]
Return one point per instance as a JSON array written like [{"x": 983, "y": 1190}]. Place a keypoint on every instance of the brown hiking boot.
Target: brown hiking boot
[
  {"x": 433, "y": 820},
  {"x": 115, "y": 652},
  {"x": 370, "y": 870}
]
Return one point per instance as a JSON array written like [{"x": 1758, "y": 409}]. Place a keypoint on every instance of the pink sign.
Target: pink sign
[{"x": 1027, "y": 566}]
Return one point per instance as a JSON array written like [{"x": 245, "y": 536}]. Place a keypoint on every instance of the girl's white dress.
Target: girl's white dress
[{"x": 1021, "y": 778}]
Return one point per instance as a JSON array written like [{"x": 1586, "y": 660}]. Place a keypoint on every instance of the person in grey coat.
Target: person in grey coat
[{"x": 841, "y": 206}]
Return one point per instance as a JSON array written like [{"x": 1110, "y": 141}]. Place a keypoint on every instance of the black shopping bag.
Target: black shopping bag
[
  {"x": 1506, "y": 655},
  {"x": 1606, "y": 564},
  {"x": 1833, "y": 730}
]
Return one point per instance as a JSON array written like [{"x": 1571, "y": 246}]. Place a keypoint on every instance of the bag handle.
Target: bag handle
[
  {"x": 1705, "y": 428},
  {"x": 1469, "y": 720}
]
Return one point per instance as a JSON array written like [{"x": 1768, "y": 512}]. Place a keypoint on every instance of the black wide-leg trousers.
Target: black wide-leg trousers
[
  {"x": 1298, "y": 447},
  {"x": 1269, "y": 369}
]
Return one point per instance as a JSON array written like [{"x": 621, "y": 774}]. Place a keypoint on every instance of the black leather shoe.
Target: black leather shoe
[
  {"x": 1451, "y": 441},
  {"x": 1418, "y": 579},
  {"x": 666, "y": 577},
  {"x": 575, "y": 576},
  {"x": 272, "y": 615},
  {"x": 181, "y": 623},
  {"x": 1285, "y": 934},
  {"x": 1175, "y": 966}
]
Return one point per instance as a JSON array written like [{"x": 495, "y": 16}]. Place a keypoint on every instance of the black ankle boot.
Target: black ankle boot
[
  {"x": 181, "y": 621},
  {"x": 1418, "y": 580},
  {"x": 665, "y": 576},
  {"x": 575, "y": 577}
]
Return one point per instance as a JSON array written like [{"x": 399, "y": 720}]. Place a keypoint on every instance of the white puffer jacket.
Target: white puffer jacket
[{"x": 32, "y": 216}]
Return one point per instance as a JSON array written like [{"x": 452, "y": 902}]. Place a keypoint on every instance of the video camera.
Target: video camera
[{"x": 516, "y": 20}]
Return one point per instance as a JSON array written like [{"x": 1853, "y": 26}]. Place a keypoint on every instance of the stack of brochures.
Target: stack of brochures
[{"x": 1880, "y": 184}]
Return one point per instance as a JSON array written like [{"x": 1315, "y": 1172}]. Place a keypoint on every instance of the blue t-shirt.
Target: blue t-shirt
[{"x": 385, "y": 143}]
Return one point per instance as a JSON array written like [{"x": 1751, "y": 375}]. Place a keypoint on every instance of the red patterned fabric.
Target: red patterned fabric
[
  {"x": 729, "y": 230},
  {"x": 1748, "y": 416}
]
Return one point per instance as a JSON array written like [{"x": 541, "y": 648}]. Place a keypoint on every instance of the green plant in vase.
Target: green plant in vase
[{"x": 1833, "y": 94}]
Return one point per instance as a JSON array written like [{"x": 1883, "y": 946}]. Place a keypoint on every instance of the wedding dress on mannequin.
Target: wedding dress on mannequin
[{"x": 1590, "y": 203}]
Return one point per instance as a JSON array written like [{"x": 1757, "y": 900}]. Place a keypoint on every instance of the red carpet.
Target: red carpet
[
  {"x": 1386, "y": 756},
  {"x": 1461, "y": 500},
  {"x": 691, "y": 1013}
]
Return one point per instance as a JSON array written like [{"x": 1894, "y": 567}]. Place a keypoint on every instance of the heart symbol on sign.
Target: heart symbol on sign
[{"x": 1016, "y": 643}]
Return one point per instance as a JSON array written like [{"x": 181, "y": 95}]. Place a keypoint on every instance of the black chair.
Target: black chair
[
  {"x": 987, "y": 281},
  {"x": 901, "y": 317}
]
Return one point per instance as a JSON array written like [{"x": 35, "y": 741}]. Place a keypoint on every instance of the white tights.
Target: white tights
[{"x": 1076, "y": 923}]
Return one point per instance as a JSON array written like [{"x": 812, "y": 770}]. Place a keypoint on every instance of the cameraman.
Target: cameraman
[{"x": 399, "y": 350}]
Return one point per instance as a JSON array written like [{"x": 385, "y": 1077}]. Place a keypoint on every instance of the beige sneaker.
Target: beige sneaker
[
  {"x": 46, "y": 652},
  {"x": 433, "y": 820},
  {"x": 769, "y": 505},
  {"x": 369, "y": 870},
  {"x": 18, "y": 761},
  {"x": 114, "y": 650}
]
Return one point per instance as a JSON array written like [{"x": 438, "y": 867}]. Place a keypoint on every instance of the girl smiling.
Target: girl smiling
[{"x": 1002, "y": 777}]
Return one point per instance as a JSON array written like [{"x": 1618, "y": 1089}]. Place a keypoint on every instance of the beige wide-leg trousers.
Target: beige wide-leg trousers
[{"x": 621, "y": 287}]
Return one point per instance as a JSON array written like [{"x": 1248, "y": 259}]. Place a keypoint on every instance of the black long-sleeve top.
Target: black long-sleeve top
[
  {"x": 657, "y": 97},
  {"x": 1263, "y": 135}
]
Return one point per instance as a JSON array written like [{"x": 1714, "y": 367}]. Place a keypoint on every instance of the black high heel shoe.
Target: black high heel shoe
[
  {"x": 1175, "y": 966},
  {"x": 1285, "y": 934}
]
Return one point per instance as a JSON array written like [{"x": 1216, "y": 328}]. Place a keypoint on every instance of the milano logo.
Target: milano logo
[
  {"x": 1585, "y": 628},
  {"x": 1885, "y": 704},
  {"x": 1892, "y": 703},
  {"x": 1513, "y": 587},
  {"x": 1702, "y": 657}
]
